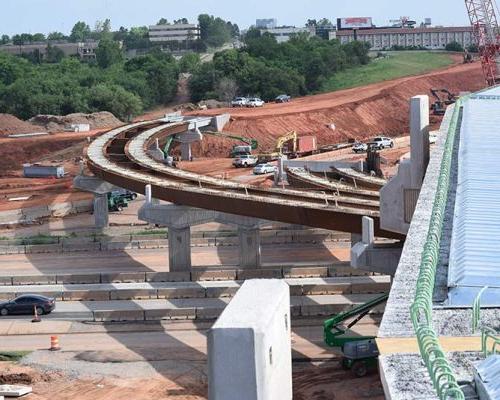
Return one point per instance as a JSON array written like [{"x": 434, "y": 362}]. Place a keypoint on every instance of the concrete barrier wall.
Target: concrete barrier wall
[
  {"x": 89, "y": 244},
  {"x": 249, "y": 347},
  {"x": 30, "y": 214}
]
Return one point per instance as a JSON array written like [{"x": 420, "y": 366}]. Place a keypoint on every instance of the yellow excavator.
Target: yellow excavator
[{"x": 285, "y": 145}]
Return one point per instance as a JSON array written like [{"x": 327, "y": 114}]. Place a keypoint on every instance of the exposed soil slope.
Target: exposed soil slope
[
  {"x": 57, "y": 123},
  {"x": 356, "y": 113},
  {"x": 10, "y": 125}
]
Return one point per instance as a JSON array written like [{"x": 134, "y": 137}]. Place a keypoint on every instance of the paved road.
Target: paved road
[
  {"x": 157, "y": 259},
  {"x": 154, "y": 341}
]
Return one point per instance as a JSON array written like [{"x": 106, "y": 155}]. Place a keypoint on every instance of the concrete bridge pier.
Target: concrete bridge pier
[
  {"x": 100, "y": 189},
  {"x": 367, "y": 255},
  {"x": 185, "y": 139},
  {"x": 180, "y": 219}
]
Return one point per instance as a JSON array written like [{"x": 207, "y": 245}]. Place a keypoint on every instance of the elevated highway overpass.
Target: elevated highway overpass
[{"x": 121, "y": 157}]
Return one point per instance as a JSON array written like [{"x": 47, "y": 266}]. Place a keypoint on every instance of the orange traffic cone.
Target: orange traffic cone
[
  {"x": 36, "y": 317},
  {"x": 54, "y": 343}
]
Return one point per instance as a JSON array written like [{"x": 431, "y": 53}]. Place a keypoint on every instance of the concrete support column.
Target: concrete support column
[
  {"x": 186, "y": 151},
  {"x": 356, "y": 238},
  {"x": 368, "y": 230},
  {"x": 249, "y": 247},
  {"x": 419, "y": 138},
  {"x": 101, "y": 213},
  {"x": 179, "y": 249}
]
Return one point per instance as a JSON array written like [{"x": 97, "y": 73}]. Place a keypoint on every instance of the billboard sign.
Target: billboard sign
[{"x": 354, "y": 23}]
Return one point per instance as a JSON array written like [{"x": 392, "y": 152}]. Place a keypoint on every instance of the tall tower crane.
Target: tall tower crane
[{"x": 487, "y": 35}]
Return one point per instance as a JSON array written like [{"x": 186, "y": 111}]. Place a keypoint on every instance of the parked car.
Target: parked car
[
  {"x": 239, "y": 102},
  {"x": 26, "y": 305},
  {"x": 360, "y": 147},
  {"x": 283, "y": 98},
  {"x": 262, "y": 169},
  {"x": 382, "y": 142},
  {"x": 255, "y": 102},
  {"x": 245, "y": 161}
]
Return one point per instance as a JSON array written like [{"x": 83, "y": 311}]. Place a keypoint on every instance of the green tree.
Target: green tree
[
  {"x": 54, "y": 54},
  {"x": 80, "y": 32},
  {"x": 108, "y": 53},
  {"x": 454, "y": 46},
  {"x": 38, "y": 37},
  {"x": 181, "y": 21},
  {"x": 56, "y": 36},
  {"x": 189, "y": 62},
  {"x": 162, "y": 21},
  {"x": 5, "y": 39},
  {"x": 214, "y": 31},
  {"x": 115, "y": 99}
]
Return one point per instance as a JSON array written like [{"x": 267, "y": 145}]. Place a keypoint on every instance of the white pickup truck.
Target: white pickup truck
[{"x": 245, "y": 161}]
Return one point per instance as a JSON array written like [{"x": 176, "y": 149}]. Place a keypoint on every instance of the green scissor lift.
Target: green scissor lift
[{"x": 360, "y": 353}]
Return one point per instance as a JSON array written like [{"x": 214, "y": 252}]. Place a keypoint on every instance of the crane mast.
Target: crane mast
[{"x": 487, "y": 37}]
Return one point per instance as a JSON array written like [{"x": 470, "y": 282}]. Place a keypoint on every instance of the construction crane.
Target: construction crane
[
  {"x": 439, "y": 106},
  {"x": 486, "y": 32}
]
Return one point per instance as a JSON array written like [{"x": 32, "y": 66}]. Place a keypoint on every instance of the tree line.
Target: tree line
[
  {"x": 262, "y": 67},
  {"x": 214, "y": 32},
  {"x": 266, "y": 68}
]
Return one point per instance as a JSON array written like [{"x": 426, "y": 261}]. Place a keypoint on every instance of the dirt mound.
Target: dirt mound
[
  {"x": 15, "y": 379},
  {"x": 11, "y": 125},
  {"x": 57, "y": 123},
  {"x": 211, "y": 104},
  {"x": 358, "y": 113}
]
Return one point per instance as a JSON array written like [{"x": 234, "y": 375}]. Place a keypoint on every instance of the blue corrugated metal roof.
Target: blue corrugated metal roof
[
  {"x": 475, "y": 245},
  {"x": 487, "y": 378}
]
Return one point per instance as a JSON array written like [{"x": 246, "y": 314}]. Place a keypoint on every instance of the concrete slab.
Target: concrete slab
[{"x": 14, "y": 390}]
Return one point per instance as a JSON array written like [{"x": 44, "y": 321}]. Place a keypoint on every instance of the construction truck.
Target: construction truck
[
  {"x": 119, "y": 199},
  {"x": 439, "y": 106},
  {"x": 359, "y": 353}
]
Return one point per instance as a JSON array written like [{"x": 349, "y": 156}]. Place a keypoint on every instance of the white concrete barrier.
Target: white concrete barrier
[{"x": 249, "y": 347}]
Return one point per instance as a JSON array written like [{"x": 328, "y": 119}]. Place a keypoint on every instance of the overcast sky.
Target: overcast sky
[{"x": 31, "y": 16}]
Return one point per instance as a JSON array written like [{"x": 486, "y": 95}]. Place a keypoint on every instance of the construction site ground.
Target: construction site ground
[
  {"x": 357, "y": 113},
  {"x": 162, "y": 361}
]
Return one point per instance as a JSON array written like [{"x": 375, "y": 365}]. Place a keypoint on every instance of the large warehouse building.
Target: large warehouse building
[{"x": 431, "y": 38}]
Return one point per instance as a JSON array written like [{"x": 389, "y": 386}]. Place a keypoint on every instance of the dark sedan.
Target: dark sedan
[{"x": 26, "y": 304}]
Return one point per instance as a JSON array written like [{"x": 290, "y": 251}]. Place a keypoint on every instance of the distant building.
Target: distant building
[
  {"x": 174, "y": 33},
  {"x": 430, "y": 38},
  {"x": 83, "y": 50},
  {"x": 283, "y": 34},
  {"x": 269, "y": 23},
  {"x": 326, "y": 31}
]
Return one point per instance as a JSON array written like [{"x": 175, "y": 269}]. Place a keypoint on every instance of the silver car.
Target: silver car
[
  {"x": 239, "y": 102},
  {"x": 263, "y": 169}
]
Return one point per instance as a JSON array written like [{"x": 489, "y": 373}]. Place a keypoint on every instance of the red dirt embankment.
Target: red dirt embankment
[
  {"x": 357, "y": 113},
  {"x": 9, "y": 125}
]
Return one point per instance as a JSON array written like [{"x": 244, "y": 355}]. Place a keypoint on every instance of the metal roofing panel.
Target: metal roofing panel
[
  {"x": 475, "y": 248},
  {"x": 487, "y": 378}
]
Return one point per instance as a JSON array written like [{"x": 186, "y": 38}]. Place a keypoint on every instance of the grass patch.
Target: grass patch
[
  {"x": 13, "y": 355},
  {"x": 151, "y": 232},
  {"x": 396, "y": 65}
]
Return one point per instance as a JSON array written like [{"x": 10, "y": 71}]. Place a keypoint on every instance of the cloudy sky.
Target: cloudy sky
[{"x": 45, "y": 16}]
